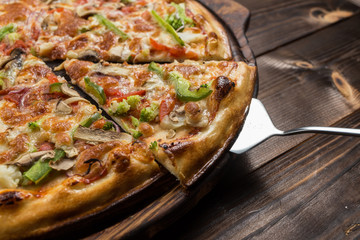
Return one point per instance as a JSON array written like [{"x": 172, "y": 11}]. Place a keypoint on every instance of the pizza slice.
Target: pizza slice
[
  {"x": 186, "y": 112},
  {"x": 132, "y": 31},
  {"x": 59, "y": 158}
]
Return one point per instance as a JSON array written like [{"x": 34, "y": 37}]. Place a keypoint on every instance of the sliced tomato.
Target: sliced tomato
[
  {"x": 52, "y": 78},
  {"x": 119, "y": 96},
  {"x": 173, "y": 51},
  {"x": 166, "y": 106}
]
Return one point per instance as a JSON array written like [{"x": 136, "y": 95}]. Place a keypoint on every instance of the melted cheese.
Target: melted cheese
[{"x": 10, "y": 176}]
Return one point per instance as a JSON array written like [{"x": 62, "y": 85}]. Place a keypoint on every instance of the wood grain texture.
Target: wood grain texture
[
  {"x": 277, "y": 22},
  {"x": 310, "y": 192},
  {"x": 234, "y": 17},
  {"x": 313, "y": 81}
]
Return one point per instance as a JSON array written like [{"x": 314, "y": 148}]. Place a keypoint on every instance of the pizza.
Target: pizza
[{"x": 140, "y": 87}]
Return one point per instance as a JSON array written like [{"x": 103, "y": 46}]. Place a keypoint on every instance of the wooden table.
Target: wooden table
[{"x": 304, "y": 186}]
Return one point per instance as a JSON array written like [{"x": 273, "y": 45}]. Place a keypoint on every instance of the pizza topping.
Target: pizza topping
[
  {"x": 154, "y": 67},
  {"x": 108, "y": 41},
  {"x": 154, "y": 146},
  {"x": 182, "y": 88},
  {"x": 62, "y": 108},
  {"x": 194, "y": 116},
  {"x": 146, "y": 129},
  {"x": 149, "y": 114},
  {"x": 63, "y": 165},
  {"x": 75, "y": 99},
  {"x": 42, "y": 168},
  {"x": 166, "y": 106},
  {"x": 178, "y": 19},
  {"x": 65, "y": 89},
  {"x": 212, "y": 43},
  {"x": 87, "y": 123},
  {"x": 109, "y": 25},
  {"x": 134, "y": 132},
  {"x": 141, "y": 26},
  {"x": 87, "y": 55},
  {"x": 29, "y": 158},
  {"x": 69, "y": 24},
  {"x": 99, "y": 135},
  {"x": 167, "y": 27},
  {"x": 96, "y": 90},
  {"x": 34, "y": 126},
  {"x": 10, "y": 176},
  {"x": 10, "y": 28},
  {"x": 121, "y": 108}
]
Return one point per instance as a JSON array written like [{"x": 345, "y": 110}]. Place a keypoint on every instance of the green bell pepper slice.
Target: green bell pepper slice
[
  {"x": 167, "y": 27},
  {"x": 10, "y": 28},
  {"x": 41, "y": 169},
  {"x": 96, "y": 90},
  {"x": 87, "y": 123},
  {"x": 55, "y": 87},
  {"x": 109, "y": 25},
  {"x": 182, "y": 88},
  {"x": 154, "y": 67}
]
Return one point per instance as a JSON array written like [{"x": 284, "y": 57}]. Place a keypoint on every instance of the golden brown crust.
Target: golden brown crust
[
  {"x": 222, "y": 49},
  {"x": 32, "y": 214},
  {"x": 188, "y": 158}
]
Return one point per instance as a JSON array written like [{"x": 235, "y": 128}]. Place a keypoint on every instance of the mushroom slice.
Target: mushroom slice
[
  {"x": 29, "y": 158},
  {"x": 62, "y": 108},
  {"x": 63, "y": 164},
  {"x": 68, "y": 91},
  {"x": 71, "y": 152},
  {"x": 75, "y": 99},
  {"x": 89, "y": 55},
  {"x": 99, "y": 135}
]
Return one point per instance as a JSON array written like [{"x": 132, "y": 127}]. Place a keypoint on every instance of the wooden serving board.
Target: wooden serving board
[{"x": 147, "y": 211}]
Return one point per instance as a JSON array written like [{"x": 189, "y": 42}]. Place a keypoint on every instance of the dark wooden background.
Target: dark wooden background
[{"x": 304, "y": 186}]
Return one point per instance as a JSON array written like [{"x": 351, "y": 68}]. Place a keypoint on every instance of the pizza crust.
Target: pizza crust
[
  {"x": 223, "y": 51},
  {"x": 39, "y": 213}
]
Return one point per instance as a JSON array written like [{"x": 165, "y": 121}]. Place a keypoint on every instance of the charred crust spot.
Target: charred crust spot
[
  {"x": 223, "y": 87},
  {"x": 164, "y": 146},
  {"x": 91, "y": 162},
  {"x": 10, "y": 198},
  {"x": 175, "y": 147}
]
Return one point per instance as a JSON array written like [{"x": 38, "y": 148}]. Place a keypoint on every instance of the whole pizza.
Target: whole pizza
[{"x": 169, "y": 97}]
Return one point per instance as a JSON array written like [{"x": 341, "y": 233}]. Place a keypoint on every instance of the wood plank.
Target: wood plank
[
  {"x": 274, "y": 23},
  {"x": 309, "y": 82},
  {"x": 307, "y": 193}
]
